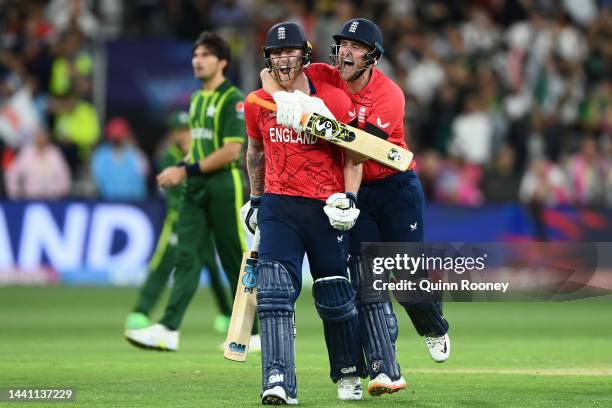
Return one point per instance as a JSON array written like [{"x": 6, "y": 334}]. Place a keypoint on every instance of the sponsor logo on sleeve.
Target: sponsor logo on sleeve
[
  {"x": 240, "y": 110},
  {"x": 382, "y": 125}
]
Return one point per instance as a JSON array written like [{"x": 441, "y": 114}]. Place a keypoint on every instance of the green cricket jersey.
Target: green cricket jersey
[{"x": 216, "y": 117}]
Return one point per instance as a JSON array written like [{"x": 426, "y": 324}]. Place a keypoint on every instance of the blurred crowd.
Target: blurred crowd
[
  {"x": 506, "y": 100},
  {"x": 53, "y": 142}
]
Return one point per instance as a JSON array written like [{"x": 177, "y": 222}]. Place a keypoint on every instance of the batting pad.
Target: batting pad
[
  {"x": 335, "y": 302},
  {"x": 275, "y": 309}
]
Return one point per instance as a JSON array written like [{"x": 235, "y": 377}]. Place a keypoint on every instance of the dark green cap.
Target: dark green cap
[{"x": 178, "y": 120}]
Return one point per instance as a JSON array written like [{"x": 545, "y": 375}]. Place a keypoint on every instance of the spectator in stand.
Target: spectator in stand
[
  {"x": 585, "y": 171},
  {"x": 458, "y": 183},
  {"x": 118, "y": 167},
  {"x": 19, "y": 118},
  {"x": 428, "y": 169},
  {"x": 501, "y": 182},
  {"x": 544, "y": 183},
  {"x": 77, "y": 128},
  {"x": 38, "y": 172},
  {"x": 64, "y": 13},
  {"x": 472, "y": 133},
  {"x": 73, "y": 63}
]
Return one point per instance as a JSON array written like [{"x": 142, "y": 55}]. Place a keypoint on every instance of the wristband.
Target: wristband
[
  {"x": 193, "y": 169},
  {"x": 352, "y": 197},
  {"x": 255, "y": 201}
]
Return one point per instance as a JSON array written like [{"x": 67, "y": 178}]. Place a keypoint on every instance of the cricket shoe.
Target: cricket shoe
[
  {"x": 382, "y": 384},
  {"x": 349, "y": 389},
  {"x": 277, "y": 396},
  {"x": 136, "y": 321},
  {"x": 156, "y": 337},
  {"x": 439, "y": 347},
  {"x": 254, "y": 344}
]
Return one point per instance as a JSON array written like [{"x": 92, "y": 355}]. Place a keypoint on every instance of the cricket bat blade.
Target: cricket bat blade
[{"x": 245, "y": 306}]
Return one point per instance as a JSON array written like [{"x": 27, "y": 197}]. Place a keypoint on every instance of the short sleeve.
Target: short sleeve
[
  {"x": 232, "y": 128},
  {"x": 250, "y": 116}
]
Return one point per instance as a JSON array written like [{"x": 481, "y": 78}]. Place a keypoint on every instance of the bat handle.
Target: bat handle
[
  {"x": 255, "y": 243},
  {"x": 256, "y": 100}
]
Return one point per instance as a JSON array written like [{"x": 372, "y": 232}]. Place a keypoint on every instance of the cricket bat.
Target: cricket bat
[
  {"x": 245, "y": 305},
  {"x": 348, "y": 137}
]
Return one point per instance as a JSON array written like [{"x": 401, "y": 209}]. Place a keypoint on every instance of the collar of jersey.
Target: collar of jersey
[
  {"x": 221, "y": 87},
  {"x": 313, "y": 90}
]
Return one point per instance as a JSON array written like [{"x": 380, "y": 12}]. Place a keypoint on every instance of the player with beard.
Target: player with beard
[
  {"x": 391, "y": 202},
  {"x": 213, "y": 191},
  {"x": 293, "y": 175}
]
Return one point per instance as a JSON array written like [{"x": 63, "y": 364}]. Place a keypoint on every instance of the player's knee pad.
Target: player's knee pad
[
  {"x": 363, "y": 278},
  {"x": 379, "y": 331},
  {"x": 335, "y": 302},
  {"x": 427, "y": 317},
  {"x": 334, "y": 298},
  {"x": 275, "y": 308},
  {"x": 275, "y": 291}
]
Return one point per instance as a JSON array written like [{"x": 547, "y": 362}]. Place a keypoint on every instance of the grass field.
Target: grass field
[{"x": 503, "y": 355}]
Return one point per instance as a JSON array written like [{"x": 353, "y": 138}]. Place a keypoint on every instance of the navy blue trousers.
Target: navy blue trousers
[
  {"x": 391, "y": 211},
  {"x": 293, "y": 226}
]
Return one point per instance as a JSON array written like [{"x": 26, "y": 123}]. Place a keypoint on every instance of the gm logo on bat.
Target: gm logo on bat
[
  {"x": 237, "y": 347},
  {"x": 249, "y": 279},
  {"x": 329, "y": 129}
]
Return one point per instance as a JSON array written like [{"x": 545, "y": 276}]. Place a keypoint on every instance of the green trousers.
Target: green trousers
[
  {"x": 163, "y": 262},
  {"x": 211, "y": 206}
]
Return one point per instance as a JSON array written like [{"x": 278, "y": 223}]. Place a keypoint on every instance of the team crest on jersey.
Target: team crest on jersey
[
  {"x": 329, "y": 129},
  {"x": 240, "y": 110}
]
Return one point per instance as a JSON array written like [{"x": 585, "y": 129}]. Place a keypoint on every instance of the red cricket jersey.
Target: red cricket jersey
[
  {"x": 300, "y": 165},
  {"x": 381, "y": 103}
]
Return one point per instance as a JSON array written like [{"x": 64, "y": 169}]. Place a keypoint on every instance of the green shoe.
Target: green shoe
[
  {"x": 222, "y": 323},
  {"x": 136, "y": 321}
]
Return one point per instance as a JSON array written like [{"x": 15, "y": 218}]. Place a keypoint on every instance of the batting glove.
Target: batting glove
[
  {"x": 342, "y": 211},
  {"x": 248, "y": 214},
  {"x": 288, "y": 110},
  {"x": 312, "y": 104}
]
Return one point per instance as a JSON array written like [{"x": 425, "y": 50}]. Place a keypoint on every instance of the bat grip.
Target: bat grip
[
  {"x": 255, "y": 242},
  {"x": 256, "y": 100}
]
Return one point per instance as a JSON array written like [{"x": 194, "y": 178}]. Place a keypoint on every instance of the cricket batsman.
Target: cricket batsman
[
  {"x": 213, "y": 191},
  {"x": 391, "y": 202},
  {"x": 293, "y": 174}
]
